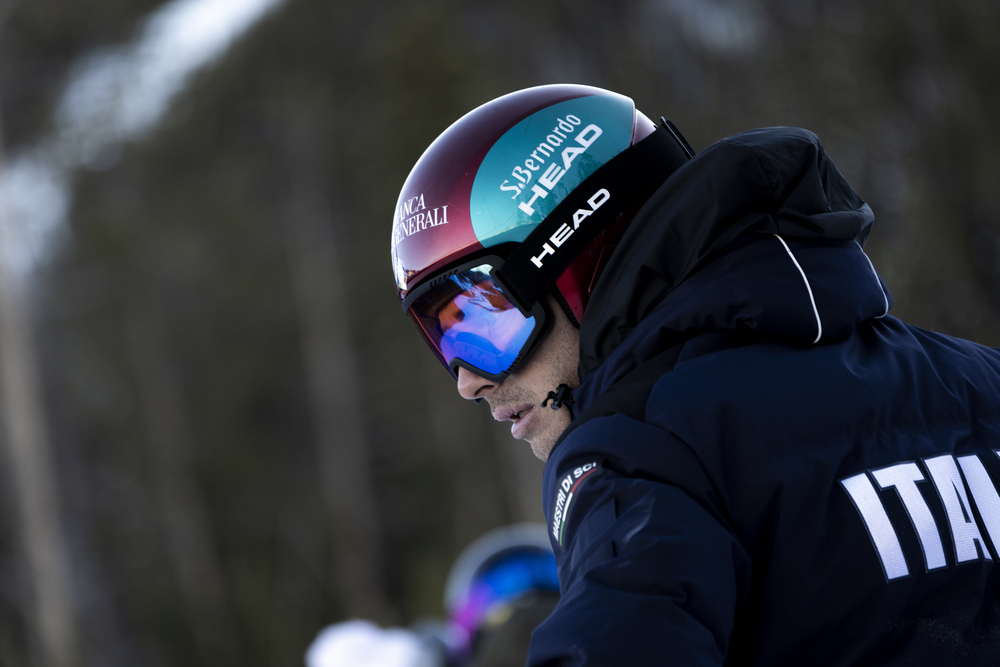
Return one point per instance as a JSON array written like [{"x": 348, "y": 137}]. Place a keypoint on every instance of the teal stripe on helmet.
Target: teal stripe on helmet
[{"x": 536, "y": 163}]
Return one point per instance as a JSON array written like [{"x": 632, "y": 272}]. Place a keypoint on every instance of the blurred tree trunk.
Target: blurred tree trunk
[
  {"x": 181, "y": 506},
  {"x": 33, "y": 477},
  {"x": 522, "y": 475},
  {"x": 479, "y": 479},
  {"x": 34, "y": 483},
  {"x": 315, "y": 253}
]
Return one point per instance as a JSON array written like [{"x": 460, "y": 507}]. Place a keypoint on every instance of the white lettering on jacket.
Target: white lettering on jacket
[{"x": 955, "y": 482}]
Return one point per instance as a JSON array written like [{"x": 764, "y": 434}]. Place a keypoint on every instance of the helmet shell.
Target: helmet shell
[{"x": 477, "y": 186}]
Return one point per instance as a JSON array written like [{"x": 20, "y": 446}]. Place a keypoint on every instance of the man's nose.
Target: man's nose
[{"x": 471, "y": 386}]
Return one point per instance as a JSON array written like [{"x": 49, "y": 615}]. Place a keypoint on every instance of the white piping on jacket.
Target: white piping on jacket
[
  {"x": 819, "y": 323},
  {"x": 877, "y": 281}
]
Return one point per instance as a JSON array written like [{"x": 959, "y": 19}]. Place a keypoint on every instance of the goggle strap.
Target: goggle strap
[{"x": 587, "y": 211}]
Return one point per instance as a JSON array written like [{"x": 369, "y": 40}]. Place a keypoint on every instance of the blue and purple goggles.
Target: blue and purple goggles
[
  {"x": 504, "y": 581},
  {"x": 467, "y": 321}
]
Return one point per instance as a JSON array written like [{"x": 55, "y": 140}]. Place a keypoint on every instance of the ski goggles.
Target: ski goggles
[
  {"x": 492, "y": 592},
  {"x": 468, "y": 322}
]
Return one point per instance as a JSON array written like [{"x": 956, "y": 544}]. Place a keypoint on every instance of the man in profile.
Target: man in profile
[{"x": 748, "y": 460}]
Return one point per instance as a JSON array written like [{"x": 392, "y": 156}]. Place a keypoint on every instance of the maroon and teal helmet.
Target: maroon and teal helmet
[{"x": 528, "y": 192}]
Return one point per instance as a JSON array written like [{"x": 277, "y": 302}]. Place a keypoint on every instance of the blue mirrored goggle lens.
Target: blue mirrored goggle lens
[
  {"x": 467, "y": 317},
  {"x": 504, "y": 581}
]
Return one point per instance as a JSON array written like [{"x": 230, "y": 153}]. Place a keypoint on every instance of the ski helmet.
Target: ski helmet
[
  {"x": 508, "y": 567},
  {"x": 525, "y": 193}
]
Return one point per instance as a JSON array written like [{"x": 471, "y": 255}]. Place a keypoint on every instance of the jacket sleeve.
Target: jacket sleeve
[{"x": 650, "y": 574}]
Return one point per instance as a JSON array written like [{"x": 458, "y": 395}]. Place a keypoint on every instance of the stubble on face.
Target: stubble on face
[{"x": 553, "y": 363}]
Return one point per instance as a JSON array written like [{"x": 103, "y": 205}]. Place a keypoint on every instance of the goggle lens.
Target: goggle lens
[
  {"x": 514, "y": 575},
  {"x": 466, "y": 317}
]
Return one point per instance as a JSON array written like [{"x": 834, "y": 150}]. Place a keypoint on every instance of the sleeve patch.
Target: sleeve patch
[{"x": 567, "y": 488}]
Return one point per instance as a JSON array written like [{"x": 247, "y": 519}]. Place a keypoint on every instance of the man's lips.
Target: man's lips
[
  {"x": 521, "y": 415},
  {"x": 512, "y": 413}
]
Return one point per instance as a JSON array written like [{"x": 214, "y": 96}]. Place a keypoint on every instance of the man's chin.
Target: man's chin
[
  {"x": 533, "y": 429},
  {"x": 541, "y": 445},
  {"x": 541, "y": 452},
  {"x": 541, "y": 429}
]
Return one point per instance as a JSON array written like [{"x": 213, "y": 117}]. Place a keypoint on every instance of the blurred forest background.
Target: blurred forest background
[{"x": 236, "y": 437}]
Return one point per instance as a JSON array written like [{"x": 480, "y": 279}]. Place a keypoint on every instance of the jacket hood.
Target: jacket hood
[{"x": 758, "y": 234}]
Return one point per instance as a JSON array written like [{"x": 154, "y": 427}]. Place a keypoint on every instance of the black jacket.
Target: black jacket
[{"x": 764, "y": 467}]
